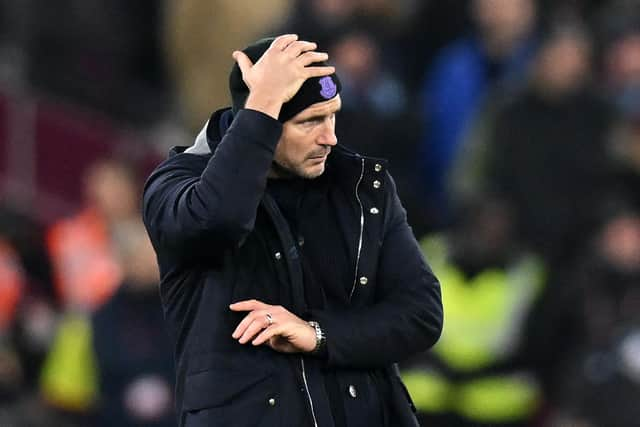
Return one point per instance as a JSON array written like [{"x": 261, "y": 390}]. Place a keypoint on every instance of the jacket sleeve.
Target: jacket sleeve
[
  {"x": 185, "y": 207},
  {"x": 407, "y": 316}
]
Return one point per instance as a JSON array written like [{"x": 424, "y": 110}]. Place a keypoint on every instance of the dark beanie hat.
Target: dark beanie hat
[{"x": 313, "y": 90}]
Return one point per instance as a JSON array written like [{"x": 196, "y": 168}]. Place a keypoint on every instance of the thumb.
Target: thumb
[{"x": 243, "y": 61}]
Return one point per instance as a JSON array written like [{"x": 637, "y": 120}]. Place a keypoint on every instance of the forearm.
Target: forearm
[
  {"x": 381, "y": 334},
  {"x": 406, "y": 317},
  {"x": 182, "y": 206},
  {"x": 266, "y": 103},
  {"x": 233, "y": 183}
]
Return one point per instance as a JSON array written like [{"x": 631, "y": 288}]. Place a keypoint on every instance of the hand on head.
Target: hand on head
[{"x": 280, "y": 72}]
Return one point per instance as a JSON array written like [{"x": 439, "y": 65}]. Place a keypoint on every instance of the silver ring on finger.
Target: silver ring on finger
[{"x": 269, "y": 319}]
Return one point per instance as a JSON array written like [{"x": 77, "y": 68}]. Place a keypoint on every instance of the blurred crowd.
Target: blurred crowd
[{"x": 513, "y": 133}]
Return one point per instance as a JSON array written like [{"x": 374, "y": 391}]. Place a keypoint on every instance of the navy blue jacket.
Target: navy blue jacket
[{"x": 211, "y": 222}]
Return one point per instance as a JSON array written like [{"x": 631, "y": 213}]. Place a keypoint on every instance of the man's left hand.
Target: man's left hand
[{"x": 280, "y": 329}]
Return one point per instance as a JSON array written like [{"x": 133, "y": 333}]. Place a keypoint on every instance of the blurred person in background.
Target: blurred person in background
[
  {"x": 544, "y": 150},
  {"x": 86, "y": 273},
  {"x": 496, "y": 54},
  {"x": 320, "y": 19},
  {"x": 621, "y": 78},
  {"x": 545, "y": 156},
  {"x": 592, "y": 330},
  {"x": 430, "y": 25},
  {"x": 373, "y": 28},
  {"x": 367, "y": 32},
  {"x": 85, "y": 268},
  {"x": 476, "y": 375},
  {"x": 31, "y": 308},
  {"x": 133, "y": 353},
  {"x": 26, "y": 324},
  {"x": 368, "y": 84},
  {"x": 279, "y": 252}
]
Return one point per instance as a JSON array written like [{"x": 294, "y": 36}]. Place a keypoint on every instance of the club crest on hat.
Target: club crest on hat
[{"x": 329, "y": 88}]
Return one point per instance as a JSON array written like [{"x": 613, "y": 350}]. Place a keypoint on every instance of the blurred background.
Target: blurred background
[{"x": 513, "y": 132}]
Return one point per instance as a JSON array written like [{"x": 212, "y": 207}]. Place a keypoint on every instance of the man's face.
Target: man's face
[
  {"x": 306, "y": 140},
  {"x": 504, "y": 18}
]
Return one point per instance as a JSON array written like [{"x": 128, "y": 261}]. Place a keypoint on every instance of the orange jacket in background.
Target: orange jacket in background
[{"x": 86, "y": 272}]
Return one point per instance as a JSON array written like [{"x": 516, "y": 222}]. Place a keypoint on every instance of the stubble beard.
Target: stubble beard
[{"x": 279, "y": 170}]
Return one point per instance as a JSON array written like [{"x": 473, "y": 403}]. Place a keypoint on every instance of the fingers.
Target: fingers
[
  {"x": 253, "y": 322},
  {"x": 282, "y": 330},
  {"x": 243, "y": 61},
  {"x": 311, "y": 57},
  {"x": 288, "y": 337},
  {"x": 248, "y": 305},
  {"x": 256, "y": 325},
  {"x": 268, "y": 333},
  {"x": 282, "y": 69},
  {"x": 299, "y": 47},
  {"x": 256, "y": 319},
  {"x": 318, "y": 71},
  {"x": 283, "y": 41}
]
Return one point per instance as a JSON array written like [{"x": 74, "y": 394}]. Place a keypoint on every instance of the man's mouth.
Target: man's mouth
[{"x": 318, "y": 156}]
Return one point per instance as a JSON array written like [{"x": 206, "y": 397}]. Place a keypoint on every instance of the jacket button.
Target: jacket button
[
  {"x": 376, "y": 184},
  {"x": 278, "y": 255},
  {"x": 377, "y": 167},
  {"x": 352, "y": 391},
  {"x": 272, "y": 401},
  {"x": 364, "y": 280},
  {"x": 374, "y": 210}
]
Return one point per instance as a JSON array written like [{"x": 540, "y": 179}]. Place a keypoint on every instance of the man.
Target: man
[{"x": 291, "y": 281}]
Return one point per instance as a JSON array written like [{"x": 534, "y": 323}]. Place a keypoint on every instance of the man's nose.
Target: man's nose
[{"x": 328, "y": 135}]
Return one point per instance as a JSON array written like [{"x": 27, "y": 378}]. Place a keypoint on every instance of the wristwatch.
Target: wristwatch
[{"x": 320, "y": 338}]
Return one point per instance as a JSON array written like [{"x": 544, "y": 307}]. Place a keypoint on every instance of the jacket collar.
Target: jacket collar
[{"x": 212, "y": 132}]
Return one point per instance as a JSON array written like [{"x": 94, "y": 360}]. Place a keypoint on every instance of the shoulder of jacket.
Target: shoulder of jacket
[
  {"x": 176, "y": 164},
  {"x": 182, "y": 160}
]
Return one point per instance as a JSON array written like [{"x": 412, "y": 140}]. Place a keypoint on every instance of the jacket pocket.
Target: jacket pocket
[{"x": 231, "y": 398}]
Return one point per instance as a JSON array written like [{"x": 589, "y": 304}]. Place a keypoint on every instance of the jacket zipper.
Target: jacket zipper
[
  {"x": 272, "y": 208},
  {"x": 355, "y": 276},
  {"x": 306, "y": 388}
]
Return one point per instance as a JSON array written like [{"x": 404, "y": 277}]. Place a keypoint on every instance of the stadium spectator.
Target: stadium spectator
[
  {"x": 621, "y": 81},
  {"x": 476, "y": 374},
  {"x": 496, "y": 54},
  {"x": 85, "y": 269},
  {"x": 26, "y": 326},
  {"x": 133, "y": 354},
  {"x": 546, "y": 150},
  {"x": 591, "y": 331},
  {"x": 86, "y": 274}
]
